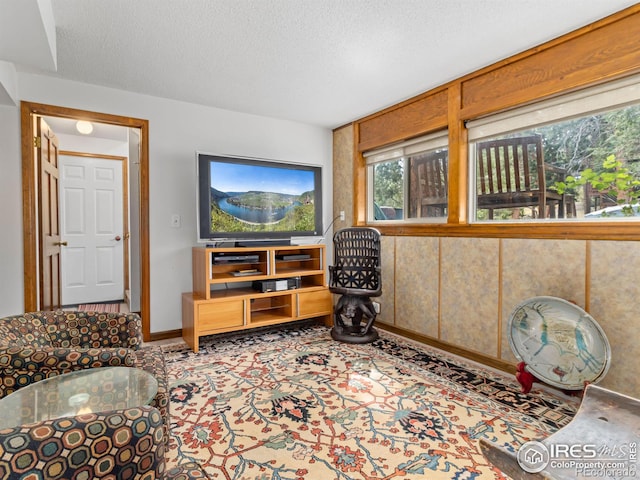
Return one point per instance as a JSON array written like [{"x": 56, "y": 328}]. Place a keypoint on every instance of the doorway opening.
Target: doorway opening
[{"x": 32, "y": 231}]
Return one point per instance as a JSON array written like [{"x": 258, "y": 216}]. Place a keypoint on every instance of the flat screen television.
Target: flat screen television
[{"x": 256, "y": 200}]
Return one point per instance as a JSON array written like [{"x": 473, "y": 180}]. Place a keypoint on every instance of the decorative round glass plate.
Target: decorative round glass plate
[{"x": 559, "y": 342}]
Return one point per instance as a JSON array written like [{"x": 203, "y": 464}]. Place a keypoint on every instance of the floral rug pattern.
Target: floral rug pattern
[{"x": 297, "y": 405}]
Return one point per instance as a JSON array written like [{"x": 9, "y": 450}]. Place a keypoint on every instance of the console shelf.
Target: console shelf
[{"x": 223, "y": 299}]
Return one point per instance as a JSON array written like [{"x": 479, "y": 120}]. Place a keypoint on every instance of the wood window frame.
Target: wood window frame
[
  {"x": 603, "y": 51},
  {"x": 407, "y": 153}
]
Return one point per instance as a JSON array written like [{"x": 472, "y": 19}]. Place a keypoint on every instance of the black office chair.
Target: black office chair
[{"x": 356, "y": 276}]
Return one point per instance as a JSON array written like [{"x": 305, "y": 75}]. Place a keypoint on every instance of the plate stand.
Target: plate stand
[{"x": 524, "y": 378}]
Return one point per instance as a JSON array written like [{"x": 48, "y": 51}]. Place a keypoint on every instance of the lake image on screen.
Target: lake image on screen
[
  {"x": 246, "y": 198},
  {"x": 268, "y": 212}
]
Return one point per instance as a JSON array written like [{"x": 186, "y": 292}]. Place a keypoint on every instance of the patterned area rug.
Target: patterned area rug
[{"x": 295, "y": 404}]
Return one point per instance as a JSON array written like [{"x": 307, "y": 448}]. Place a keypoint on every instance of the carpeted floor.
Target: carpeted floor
[{"x": 295, "y": 404}]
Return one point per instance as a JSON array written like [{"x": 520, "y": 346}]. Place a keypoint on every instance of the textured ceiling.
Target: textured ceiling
[{"x": 322, "y": 62}]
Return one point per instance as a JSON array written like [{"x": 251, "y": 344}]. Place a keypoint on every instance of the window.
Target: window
[
  {"x": 574, "y": 157},
  {"x": 408, "y": 182}
]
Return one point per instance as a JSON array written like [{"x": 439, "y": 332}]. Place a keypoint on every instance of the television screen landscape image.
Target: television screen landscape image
[{"x": 245, "y": 198}]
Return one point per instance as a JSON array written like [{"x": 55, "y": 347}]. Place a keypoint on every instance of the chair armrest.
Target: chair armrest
[
  {"x": 93, "y": 329},
  {"x": 557, "y": 174},
  {"x": 115, "y": 444},
  {"x": 151, "y": 359},
  {"x": 25, "y": 329},
  {"x": 22, "y": 366}
]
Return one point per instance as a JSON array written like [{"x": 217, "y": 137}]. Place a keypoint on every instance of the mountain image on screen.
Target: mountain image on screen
[{"x": 257, "y": 211}]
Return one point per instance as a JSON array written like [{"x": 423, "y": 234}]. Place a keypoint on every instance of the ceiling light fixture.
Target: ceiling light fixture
[{"x": 84, "y": 127}]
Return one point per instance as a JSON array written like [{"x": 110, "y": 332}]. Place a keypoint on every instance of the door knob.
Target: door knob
[
  {"x": 60, "y": 244},
  {"x": 117, "y": 239}
]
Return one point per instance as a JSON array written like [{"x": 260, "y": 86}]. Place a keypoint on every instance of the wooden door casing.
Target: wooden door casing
[{"x": 30, "y": 111}]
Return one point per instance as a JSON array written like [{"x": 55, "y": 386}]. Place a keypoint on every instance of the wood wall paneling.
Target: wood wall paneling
[{"x": 423, "y": 115}]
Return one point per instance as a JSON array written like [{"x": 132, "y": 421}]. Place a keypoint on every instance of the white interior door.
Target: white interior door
[{"x": 91, "y": 207}]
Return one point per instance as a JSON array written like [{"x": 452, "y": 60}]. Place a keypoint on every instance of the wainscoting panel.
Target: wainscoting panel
[
  {"x": 469, "y": 293},
  {"x": 418, "y": 272},
  {"x": 614, "y": 297},
  {"x": 539, "y": 267}
]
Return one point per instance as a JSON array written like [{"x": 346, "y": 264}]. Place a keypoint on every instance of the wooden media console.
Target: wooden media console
[{"x": 291, "y": 285}]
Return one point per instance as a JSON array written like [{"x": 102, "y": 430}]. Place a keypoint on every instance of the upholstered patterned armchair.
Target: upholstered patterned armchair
[
  {"x": 118, "y": 444},
  {"x": 38, "y": 345}
]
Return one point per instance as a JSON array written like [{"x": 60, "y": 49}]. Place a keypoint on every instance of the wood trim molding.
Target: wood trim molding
[
  {"x": 458, "y": 165},
  {"x": 424, "y": 115},
  {"x": 29, "y": 211},
  {"x": 28, "y": 112},
  {"x": 359, "y": 182},
  {"x": 91, "y": 155},
  {"x": 577, "y": 230},
  {"x": 145, "y": 264}
]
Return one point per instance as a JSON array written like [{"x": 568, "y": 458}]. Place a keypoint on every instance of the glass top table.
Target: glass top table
[{"x": 75, "y": 393}]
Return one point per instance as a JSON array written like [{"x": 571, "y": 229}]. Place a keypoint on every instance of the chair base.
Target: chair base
[
  {"x": 353, "y": 335},
  {"x": 353, "y": 319}
]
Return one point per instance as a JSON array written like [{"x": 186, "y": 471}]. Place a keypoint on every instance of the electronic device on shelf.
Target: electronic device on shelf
[
  {"x": 233, "y": 258},
  {"x": 256, "y": 202},
  {"x": 276, "y": 285},
  {"x": 294, "y": 256}
]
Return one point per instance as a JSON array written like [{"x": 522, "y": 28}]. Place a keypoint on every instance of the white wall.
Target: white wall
[
  {"x": 11, "y": 278},
  {"x": 176, "y": 131},
  {"x": 85, "y": 144}
]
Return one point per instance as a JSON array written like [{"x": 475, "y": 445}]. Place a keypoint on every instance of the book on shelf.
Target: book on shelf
[{"x": 247, "y": 272}]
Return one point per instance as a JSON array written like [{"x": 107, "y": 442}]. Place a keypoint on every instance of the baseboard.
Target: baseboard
[
  {"x": 155, "y": 336},
  {"x": 447, "y": 347}
]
